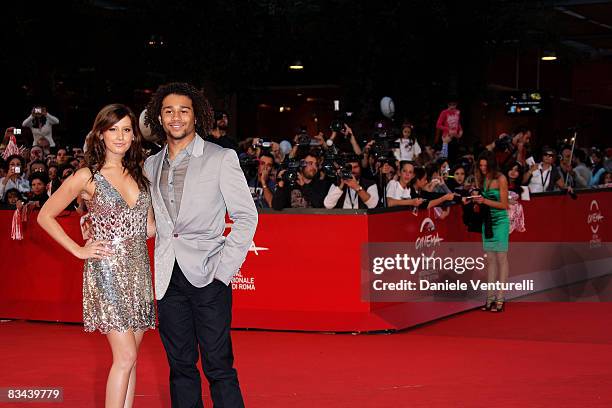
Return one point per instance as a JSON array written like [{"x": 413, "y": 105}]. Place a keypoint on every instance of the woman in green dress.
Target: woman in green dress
[{"x": 494, "y": 194}]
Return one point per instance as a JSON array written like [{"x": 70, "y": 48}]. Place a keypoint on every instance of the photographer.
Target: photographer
[
  {"x": 380, "y": 168},
  {"x": 509, "y": 149},
  {"x": 15, "y": 176},
  {"x": 343, "y": 138},
  {"x": 303, "y": 143},
  {"x": 41, "y": 121},
  {"x": 262, "y": 185},
  {"x": 299, "y": 185},
  {"x": 218, "y": 134},
  {"x": 352, "y": 191}
]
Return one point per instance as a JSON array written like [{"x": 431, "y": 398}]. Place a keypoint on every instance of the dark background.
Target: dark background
[{"x": 76, "y": 56}]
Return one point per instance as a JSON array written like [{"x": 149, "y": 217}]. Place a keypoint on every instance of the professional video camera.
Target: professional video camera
[
  {"x": 337, "y": 166},
  {"x": 249, "y": 166},
  {"x": 331, "y": 163},
  {"x": 384, "y": 143},
  {"x": 292, "y": 167},
  {"x": 337, "y": 125},
  {"x": 303, "y": 138},
  {"x": 504, "y": 142}
]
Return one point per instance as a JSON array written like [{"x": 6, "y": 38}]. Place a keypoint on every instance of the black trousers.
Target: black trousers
[{"x": 192, "y": 318}]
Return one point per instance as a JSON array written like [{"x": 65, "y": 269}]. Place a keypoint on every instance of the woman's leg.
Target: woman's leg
[
  {"x": 504, "y": 268},
  {"x": 129, "y": 398},
  {"x": 123, "y": 345},
  {"x": 491, "y": 275}
]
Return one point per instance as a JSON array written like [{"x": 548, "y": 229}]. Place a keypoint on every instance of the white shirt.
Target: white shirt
[
  {"x": 351, "y": 200},
  {"x": 44, "y": 131},
  {"x": 407, "y": 151},
  {"x": 21, "y": 183},
  {"x": 397, "y": 192},
  {"x": 535, "y": 184}
]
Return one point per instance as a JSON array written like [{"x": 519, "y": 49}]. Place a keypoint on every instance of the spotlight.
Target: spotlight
[
  {"x": 296, "y": 65},
  {"x": 549, "y": 56}
]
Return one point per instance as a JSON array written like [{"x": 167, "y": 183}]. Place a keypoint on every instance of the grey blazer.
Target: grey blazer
[{"x": 214, "y": 184}]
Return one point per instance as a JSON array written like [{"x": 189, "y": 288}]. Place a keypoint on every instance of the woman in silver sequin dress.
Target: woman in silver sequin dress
[{"x": 117, "y": 287}]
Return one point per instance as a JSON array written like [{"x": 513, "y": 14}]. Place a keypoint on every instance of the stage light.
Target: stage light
[
  {"x": 549, "y": 56},
  {"x": 296, "y": 65}
]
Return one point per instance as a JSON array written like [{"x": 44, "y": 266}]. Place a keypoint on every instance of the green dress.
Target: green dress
[{"x": 501, "y": 224}]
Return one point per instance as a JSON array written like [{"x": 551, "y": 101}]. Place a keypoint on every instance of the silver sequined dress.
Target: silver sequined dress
[{"x": 117, "y": 290}]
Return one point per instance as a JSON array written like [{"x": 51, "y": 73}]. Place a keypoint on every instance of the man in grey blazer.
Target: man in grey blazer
[{"x": 193, "y": 184}]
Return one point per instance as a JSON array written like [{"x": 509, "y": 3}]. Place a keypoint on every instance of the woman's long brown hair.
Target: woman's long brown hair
[
  {"x": 133, "y": 160},
  {"x": 492, "y": 168}
]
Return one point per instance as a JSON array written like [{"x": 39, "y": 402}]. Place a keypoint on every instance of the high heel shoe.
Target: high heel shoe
[
  {"x": 487, "y": 306},
  {"x": 499, "y": 307}
]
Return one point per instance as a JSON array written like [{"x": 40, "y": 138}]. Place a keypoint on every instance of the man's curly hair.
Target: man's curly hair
[{"x": 201, "y": 108}]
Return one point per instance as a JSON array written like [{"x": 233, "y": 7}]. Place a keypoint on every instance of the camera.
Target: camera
[
  {"x": 38, "y": 110},
  {"x": 249, "y": 166},
  {"x": 303, "y": 138},
  {"x": 384, "y": 143},
  {"x": 346, "y": 173},
  {"x": 331, "y": 164},
  {"x": 292, "y": 167},
  {"x": 16, "y": 131},
  {"x": 504, "y": 142},
  {"x": 337, "y": 125},
  {"x": 263, "y": 143}
]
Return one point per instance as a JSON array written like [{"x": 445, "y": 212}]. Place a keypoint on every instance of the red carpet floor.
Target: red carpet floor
[{"x": 532, "y": 355}]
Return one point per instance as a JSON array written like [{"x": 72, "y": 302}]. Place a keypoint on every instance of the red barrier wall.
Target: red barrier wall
[{"x": 303, "y": 272}]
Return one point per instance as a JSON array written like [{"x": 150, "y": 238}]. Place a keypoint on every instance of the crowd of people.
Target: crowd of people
[
  {"x": 394, "y": 167},
  {"x": 333, "y": 169}
]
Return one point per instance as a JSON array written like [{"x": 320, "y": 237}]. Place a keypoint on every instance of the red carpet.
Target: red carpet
[{"x": 532, "y": 355}]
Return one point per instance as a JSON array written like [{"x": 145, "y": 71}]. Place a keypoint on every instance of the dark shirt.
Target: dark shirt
[
  {"x": 223, "y": 141},
  {"x": 41, "y": 198},
  {"x": 309, "y": 195},
  {"x": 257, "y": 191}
]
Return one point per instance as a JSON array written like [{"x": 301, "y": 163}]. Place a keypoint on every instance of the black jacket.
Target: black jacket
[{"x": 474, "y": 215}]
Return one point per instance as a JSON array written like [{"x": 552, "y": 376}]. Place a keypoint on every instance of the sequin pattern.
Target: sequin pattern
[{"x": 117, "y": 290}]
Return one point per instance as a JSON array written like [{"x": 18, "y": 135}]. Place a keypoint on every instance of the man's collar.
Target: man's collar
[{"x": 188, "y": 149}]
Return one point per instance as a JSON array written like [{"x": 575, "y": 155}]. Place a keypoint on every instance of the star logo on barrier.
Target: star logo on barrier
[{"x": 253, "y": 247}]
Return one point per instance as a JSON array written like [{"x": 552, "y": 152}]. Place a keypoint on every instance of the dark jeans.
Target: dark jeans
[{"x": 190, "y": 317}]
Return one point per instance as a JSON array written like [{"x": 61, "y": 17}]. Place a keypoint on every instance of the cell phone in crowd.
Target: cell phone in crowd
[
  {"x": 530, "y": 161},
  {"x": 17, "y": 170},
  {"x": 16, "y": 131},
  {"x": 37, "y": 110}
]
